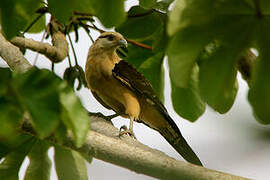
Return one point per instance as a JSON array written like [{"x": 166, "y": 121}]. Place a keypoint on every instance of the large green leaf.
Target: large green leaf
[
  {"x": 183, "y": 50},
  {"x": 10, "y": 144},
  {"x": 38, "y": 93},
  {"x": 39, "y": 25},
  {"x": 200, "y": 23},
  {"x": 137, "y": 55},
  {"x": 63, "y": 15},
  {"x": 10, "y": 167},
  {"x": 40, "y": 164},
  {"x": 219, "y": 68},
  {"x": 110, "y": 13},
  {"x": 152, "y": 67},
  {"x": 74, "y": 115},
  {"x": 259, "y": 94},
  {"x": 140, "y": 27},
  {"x": 218, "y": 85},
  {"x": 16, "y": 15},
  {"x": 69, "y": 164},
  {"x": 187, "y": 101}
]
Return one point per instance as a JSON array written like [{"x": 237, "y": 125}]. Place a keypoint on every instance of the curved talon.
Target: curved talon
[{"x": 124, "y": 130}]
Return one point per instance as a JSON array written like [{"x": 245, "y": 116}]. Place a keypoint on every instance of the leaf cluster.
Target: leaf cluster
[{"x": 40, "y": 98}]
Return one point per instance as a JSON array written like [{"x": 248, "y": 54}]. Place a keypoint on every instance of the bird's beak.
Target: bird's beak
[{"x": 122, "y": 42}]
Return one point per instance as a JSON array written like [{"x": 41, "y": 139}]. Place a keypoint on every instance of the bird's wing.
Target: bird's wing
[
  {"x": 131, "y": 78},
  {"x": 100, "y": 100}
]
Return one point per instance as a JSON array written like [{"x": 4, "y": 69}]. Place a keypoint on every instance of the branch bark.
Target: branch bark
[
  {"x": 55, "y": 53},
  {"x": 103, "y": 143},
  {"x": 13, "y": 56}
]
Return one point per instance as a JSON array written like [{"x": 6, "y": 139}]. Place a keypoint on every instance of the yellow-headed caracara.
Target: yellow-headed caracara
[{"x": 117, "y": 85}]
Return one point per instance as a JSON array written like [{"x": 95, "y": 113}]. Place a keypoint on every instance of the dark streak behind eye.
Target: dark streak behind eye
[{"x": 106, "y": 36}]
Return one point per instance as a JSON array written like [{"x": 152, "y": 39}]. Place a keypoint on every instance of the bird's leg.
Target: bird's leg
[{"x": 125, "y": 130}]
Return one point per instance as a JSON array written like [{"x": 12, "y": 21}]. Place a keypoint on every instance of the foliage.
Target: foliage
[
  {"x": 49, "y": 103},
  {"x": 203, "y": 41}
]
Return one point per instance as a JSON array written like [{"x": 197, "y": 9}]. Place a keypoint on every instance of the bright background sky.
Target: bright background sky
[{"x": 234, "y": 143}]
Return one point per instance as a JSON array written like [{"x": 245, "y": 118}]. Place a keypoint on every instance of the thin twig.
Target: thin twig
[
  {"x": 139, "y": 44},
  {"x": 82, "y": 13},
  {"x": 69, "y": 61},
  {"x": 87, "y": 31},
  {"x": 32, "y": 23},
  {"x": 73, "y": 50}
]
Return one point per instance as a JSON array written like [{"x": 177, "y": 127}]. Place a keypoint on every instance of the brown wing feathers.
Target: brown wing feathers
[{"x": 130, "y": 77}]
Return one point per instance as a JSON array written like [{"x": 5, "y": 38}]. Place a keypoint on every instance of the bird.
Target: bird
[{"x": 118, "y": 86}]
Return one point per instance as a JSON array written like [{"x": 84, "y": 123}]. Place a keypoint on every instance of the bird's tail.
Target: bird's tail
[{"x": 173, "y": 135}]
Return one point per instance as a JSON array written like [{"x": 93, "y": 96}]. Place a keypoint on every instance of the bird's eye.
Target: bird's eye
[{"x": 110, "y": 38}]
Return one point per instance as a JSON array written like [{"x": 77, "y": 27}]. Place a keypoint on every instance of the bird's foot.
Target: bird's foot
[
  {"x": 125, "y": 130},
  {"x": 98, "y": 114}
]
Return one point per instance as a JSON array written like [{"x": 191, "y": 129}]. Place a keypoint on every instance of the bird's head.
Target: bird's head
[{"x": 110, "y": 40}]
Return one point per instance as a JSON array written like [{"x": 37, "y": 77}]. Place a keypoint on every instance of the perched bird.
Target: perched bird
[{"x": 117, "y": 85}]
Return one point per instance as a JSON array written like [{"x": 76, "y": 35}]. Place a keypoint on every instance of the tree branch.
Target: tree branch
[
  {"x": 55, "y": 53},
  {"x": 13, "y": 56},
  {"x": 103, "y": 143}
]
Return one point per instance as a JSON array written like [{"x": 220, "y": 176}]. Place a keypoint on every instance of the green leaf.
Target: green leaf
[
  {"x": 218, "y": 85},
  {"x": 11, "y": 20},
  {"x": 222, "y": 21},
  {"x": 16, "y": 15},
  {"x": 56, "y": 8},
  {"x": 196, "y": 12},
  {"x": 69, "y": 164},
  {"x": 265, "y": 6},
  {"x": 139, "y": 27},
  {"x": 152, "y": 67},
  {"x": 74, "y": 115},
  {"x": 40, "y": 164},
  {"x": 147, "y": 3},
  {"x": 187, "y": 101},
  {"x": 38, "y": 91},
  {"x": 10, "y": 115},
  {"x": 8, "y": 145},
  {"x": 10, "y": 167},
  {"x": 219, "y": 68},
  {"x": 4, "y": 79},
  {"x": 60, "y": 133},
  {"x": 259, "y": 93},
  {"x": 163, "y": 5},
  {"x": 110, "y": 13},
  {"x": 39, "y": 26},
  {"x": 160, "y": 40},
  {"x": 137, "y": 55},
  {"x": 183, "y": 50}
]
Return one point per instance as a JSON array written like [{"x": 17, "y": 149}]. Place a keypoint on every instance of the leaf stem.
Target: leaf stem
[{"x": 73, "y": 50}]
